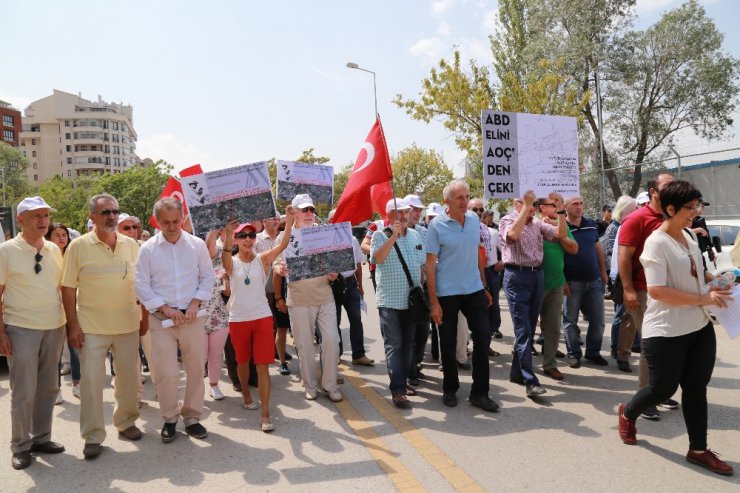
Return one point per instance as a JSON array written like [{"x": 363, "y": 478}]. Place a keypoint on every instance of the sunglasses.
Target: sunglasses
[
  {"x": 128, "y": 228},
  {"x": 109, "y": 212},
  {"x": 242, "y": 236},
  {"x": 308, "y": 209},
  {"x": 37, "y": 267},
  {"x": 548, "y": 204},
  {"x": 477, "y": 209}
]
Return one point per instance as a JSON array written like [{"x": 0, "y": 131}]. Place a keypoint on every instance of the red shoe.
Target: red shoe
[
  {"x": 627, "y": 429},
  {"x": 710, "y": 460}
]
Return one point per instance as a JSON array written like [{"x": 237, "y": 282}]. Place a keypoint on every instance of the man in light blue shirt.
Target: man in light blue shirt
[{"x": 457, "y": 282}]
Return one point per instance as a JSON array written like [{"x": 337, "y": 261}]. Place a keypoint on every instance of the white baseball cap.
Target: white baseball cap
[
  {"x": 434, "y": 209},
  {"x": 643, "y": 198},
  {"x": 399, "y": 204},
  {"x": 302, "y": 200},
  {"x": 124, "y": 217},
  {"x": 414, "y": 201},
  {"x": 33, "y": 203}
]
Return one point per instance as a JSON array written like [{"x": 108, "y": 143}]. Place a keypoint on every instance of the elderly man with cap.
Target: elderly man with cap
[
  {"x": 310, "y": 303},
  {"x": 32, "y": 330},
  {"x": 102, "y": 314},
  {"x": 174, "y": 277},
  {"x": 389, "y": 249}
]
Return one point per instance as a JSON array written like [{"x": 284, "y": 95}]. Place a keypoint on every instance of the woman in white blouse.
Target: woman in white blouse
[{"x": 677, "y": 336}]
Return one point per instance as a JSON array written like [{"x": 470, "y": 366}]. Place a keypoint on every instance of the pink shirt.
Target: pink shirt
[{"x": 527, "y": 250}]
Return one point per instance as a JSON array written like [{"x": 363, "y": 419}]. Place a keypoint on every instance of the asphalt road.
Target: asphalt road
[{"x": 565, "y": 441}]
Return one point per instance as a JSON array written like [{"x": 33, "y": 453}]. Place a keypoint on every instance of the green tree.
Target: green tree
[
  {"x": 13, "y": 165},
  {"x": 137, "y": 188},
  {"x": 70, "y": 201},
  {"x": 307, "y": 156},
  {"x": 420, "y": 171}
]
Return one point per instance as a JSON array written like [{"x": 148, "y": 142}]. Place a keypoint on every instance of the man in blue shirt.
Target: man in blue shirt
[
  {"x": 457, "y": 282},
  {"x": 586, "y": 277}
]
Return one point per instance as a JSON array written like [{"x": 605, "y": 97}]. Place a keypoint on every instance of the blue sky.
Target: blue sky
[{"x": 226, "y": 83}]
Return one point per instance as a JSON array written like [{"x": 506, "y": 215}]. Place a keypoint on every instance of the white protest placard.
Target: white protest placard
[
  {"x": 317, "y": 180},
  {"x": 522, "y": 151},
  {"x": 242, "y": 192},
  {"x": 729, "y": 317},
  {"x": 319, "y": 250}
]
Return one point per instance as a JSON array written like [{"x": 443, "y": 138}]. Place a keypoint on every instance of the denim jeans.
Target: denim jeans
[
  {"x": 473, "y": 307},
  {"x": 586, "y": 296},
  {"x": 352, "y": 307},
  {"x": 494, "y": 286},
  {"x": 397, "y": 330},
  {"x": 524, "y": 291},
  {"x": 74, "y": 364}
]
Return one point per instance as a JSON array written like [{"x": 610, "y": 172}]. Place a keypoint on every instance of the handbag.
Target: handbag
[{"x": 418, "y": 304}]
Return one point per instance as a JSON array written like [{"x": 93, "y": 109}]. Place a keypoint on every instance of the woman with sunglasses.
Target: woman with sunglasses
[
  {"x": 58, "y": 234},
  {"x": 250, "y": 318},
  {"x": 677, "y": 336}
]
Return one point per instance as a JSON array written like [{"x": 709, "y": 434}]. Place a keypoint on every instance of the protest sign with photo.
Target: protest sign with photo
[
  {"x": 216, "y": 197},
  {"x": 319, "y": 250},
  {"x": 524, "y": 152},
  {"x": 317, "y": 180}
]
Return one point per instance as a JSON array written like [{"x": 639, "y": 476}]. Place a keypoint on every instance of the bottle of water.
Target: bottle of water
[{"x": 725, "y": 279}]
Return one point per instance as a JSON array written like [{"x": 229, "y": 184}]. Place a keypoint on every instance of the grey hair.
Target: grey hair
[
  {"x": 167, "y": 203},
  {"x": 452, "y": 185},
  {"x": 93, "y": 202},
  {"x": 622, "y": 207}
]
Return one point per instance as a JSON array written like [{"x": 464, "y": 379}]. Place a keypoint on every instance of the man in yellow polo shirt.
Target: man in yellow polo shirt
[
  {"x": 99, "y": 300},
  {"x": 31, "y": 330}
]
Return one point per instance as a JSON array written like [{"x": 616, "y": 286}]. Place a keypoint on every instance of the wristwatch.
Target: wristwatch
[{"x": 562, "y": 213}]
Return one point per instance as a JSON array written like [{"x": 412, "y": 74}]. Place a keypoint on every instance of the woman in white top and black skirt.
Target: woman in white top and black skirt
[
  {"x": 677, "y": 336},
  {"x": 250, "y": 318}
]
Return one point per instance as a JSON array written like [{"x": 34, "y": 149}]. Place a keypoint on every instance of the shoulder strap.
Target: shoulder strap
[{"x": 403, "y": 264}]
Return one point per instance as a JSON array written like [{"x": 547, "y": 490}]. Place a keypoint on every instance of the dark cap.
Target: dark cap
[{"x": 607, "y": 207}]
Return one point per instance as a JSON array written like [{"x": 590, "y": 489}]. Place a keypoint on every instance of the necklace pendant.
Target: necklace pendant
[{"x": 247, "y": 281}]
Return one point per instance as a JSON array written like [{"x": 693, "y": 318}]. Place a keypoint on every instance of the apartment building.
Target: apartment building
[
  {"x": 10, "y": 124},
  {"x": 66, "y": 135}
]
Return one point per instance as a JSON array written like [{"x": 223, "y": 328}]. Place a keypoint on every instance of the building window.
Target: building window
[
  {"x": 35, "y": 177},
  {"x": 8, "y": 135},
  {"x": 69, "y": 148},
  {"x": 66, "y": 123},
  {"x": 69, "y": 172},
  {"x": 69, "y": 160},
  {"x": 33, "y": 142},
  {"x": 67, "y": 136},
  {"x": 115, "y": 138},
  {"x": 114, "y": 125},
  {"x": 35, "y": 166},
  {"x": 8, "y": 121},
  {"x": 33, "y": 154}
]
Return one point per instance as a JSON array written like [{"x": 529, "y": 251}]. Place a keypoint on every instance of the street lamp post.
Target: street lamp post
[
  {"x": 602, "y": 188},
  {"x": 375, "y": 90}
]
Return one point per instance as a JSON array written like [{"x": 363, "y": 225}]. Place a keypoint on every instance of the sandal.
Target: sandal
[
  {"x": 268, "y": 427},
  {"x": 410, "y": 391},
  {"x": 252, "y": 406}
]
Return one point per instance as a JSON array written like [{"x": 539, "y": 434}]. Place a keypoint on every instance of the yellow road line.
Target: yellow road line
[{"x": 458, "y": 478}]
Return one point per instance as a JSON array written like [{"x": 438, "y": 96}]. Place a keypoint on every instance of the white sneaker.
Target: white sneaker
[
  {"x": 60, "y": 399},
  {"x": 335, "y": 396},
  {"x": 311, "y": 395},
  {"x": 66, "y": 369},
  {"x": 216, "y": 393},
  {"x": 76, "y": 390}
]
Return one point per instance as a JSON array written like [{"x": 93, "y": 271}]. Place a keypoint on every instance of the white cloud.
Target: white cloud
[
  {"x": 490, "y": 20},
  {"x": 431, "y": 48},
  {"x": 441, "y": 6},
  {"x": 166, "y": 146},
  {"x": 332, "y": 76},
  {"x": 443, "y": 29}
]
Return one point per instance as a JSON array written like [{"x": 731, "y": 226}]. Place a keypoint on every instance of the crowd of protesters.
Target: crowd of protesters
[{"x": 113, "y": 294}]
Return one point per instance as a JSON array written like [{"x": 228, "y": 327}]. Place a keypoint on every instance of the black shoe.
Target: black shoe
[
  {"x": 145, "y": 369},
  {"x": 651, "y": 413},
  {"x": 288, "y": 356},
  {"x": 54, "y": 448},
  {"x": 464, "y": 366},
  {"x": 637, "y": 350},
  {"x": 598, "y": 360},
  {"x": 449, "y": 400},
  {"x": 92, "y": 450},
  {"x": 497, "y": 335},
  {"x": 574, "y": 363},
  {"x": 21, "y": 460},
  {"x": 667, "y": 404},
  {"x": 197, "y": 430},
  {"x": 535, "y": 390},
  {"x": 559, "y": 354},
  {"x": 624, "y": 366},
  {"x": 484, "y": 402},
  {"x": 237, "y": 387},
  {"x": 169, "y": 432},
  {"x": 420, "y": 375},
  {"x": 516, "y": 379},
  {"x": 614, "y": 354},
  {"x": 414, "y": 382}
]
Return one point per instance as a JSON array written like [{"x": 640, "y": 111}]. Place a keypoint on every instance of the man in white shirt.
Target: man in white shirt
[{"x": 174, "y": 277}]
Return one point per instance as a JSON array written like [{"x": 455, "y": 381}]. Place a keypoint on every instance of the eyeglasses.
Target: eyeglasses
[
  {"x": 477, "y": 209},
  {"x": 128, "y": 228},
  {"x": 308, "y": 209},
  {"x": 695, "y": 208},
  {"x": 548, "y": 204},
  {"x": 37, "y": 267},
  {"x": 109, "y": 212},
  {"x": 241, "y": 236}
]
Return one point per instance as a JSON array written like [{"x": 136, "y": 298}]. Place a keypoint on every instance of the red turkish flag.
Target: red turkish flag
[
  {"x": 173, "y": 189},
  {"x": 192, "y": 170},
  {"x": 380, "y": 194},
  {"x": 373, "y": 166}
]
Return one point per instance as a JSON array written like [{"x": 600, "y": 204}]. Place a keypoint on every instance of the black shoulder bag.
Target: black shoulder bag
[{"x": 418, "y": 304}]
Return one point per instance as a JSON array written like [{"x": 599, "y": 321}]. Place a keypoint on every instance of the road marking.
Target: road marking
[{"x": 458, "y": 478}]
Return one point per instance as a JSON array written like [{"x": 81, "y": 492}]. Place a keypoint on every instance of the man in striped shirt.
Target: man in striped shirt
[{"x": 522, "y": 252}]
